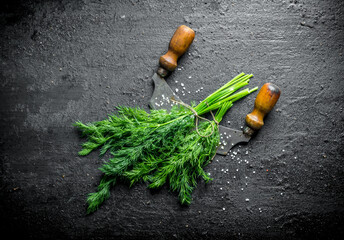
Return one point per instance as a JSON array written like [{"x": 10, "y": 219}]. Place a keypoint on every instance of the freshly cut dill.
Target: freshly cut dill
[{"x": 159, "y": 147}]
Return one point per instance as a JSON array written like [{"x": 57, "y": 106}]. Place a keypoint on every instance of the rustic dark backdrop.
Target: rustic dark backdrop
[{"x": 63, "y": 61}]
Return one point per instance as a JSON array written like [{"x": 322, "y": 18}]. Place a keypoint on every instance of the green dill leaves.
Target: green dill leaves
[{"x": 159, "y": 147}]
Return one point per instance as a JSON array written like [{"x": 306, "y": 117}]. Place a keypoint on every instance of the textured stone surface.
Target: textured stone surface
[{"x": 62, "y": 61}]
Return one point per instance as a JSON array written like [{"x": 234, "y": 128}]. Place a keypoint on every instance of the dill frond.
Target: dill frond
[{"x": 159, "y": 147}]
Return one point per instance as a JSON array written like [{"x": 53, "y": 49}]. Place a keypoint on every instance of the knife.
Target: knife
[
  {"x": 163, "y": 97},
  {"x": 266, "y": 99}
]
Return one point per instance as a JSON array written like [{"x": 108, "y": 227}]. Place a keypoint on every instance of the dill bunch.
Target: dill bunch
[{"x": 160, "y": 147}]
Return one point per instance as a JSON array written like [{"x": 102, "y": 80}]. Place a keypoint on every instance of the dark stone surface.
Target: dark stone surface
[{"x": 62, "y": 61}]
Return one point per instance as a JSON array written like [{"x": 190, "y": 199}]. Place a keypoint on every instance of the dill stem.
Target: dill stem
[{"x": 223, "y": 94}]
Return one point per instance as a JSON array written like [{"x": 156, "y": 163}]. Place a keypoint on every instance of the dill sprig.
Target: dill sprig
[{"x": 159, "y": 147}]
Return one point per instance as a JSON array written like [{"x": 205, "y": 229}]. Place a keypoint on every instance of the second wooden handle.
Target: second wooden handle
[
  {"x": 265, "y": 101},
  {"x": 179, "y": 43}
]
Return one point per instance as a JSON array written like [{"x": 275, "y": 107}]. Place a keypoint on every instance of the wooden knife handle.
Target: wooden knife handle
[
  {"x": 180, "y": 42},
  {"x": 265, "y": 101}
]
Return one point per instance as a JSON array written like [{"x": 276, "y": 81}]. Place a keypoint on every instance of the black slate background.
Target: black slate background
[{"x": 62, "y": 61}]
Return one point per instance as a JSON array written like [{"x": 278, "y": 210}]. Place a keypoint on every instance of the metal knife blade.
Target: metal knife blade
[
  {"x": 161, "y": 99},
  {"x": 163, "y": 95},
  {"x": 229, "y": 138}
]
